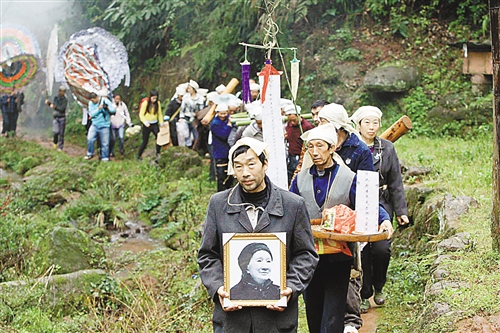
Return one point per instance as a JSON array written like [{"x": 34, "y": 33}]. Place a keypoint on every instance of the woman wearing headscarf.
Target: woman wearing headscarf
[
  {"x": 375, "y": 256},
  {"x": 255, "y": 261},
  {"x": 192, "y": 102},
  {"x": 350, "y": 147},
  {"x": 325, "y": 184},
  {"x": 151, "y": 117}
]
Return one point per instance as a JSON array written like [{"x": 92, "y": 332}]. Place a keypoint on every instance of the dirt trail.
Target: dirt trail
[{"x": 370, "y": 319}]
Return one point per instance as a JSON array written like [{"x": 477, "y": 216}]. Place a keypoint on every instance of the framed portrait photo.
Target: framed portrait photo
[{"x": 254, "y": 268}]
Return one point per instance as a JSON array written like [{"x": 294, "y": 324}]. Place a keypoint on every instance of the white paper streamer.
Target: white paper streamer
[
  {"x": 272, "y": 128},
  {"x": 294, "y": 73},
  {"x": 51, "y": 63}
]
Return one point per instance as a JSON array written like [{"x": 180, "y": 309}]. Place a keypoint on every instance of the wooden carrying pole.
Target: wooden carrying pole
[
  {"x": 495, "y": 49},
  {"x": 211, "y": 113},
  {"x": 398, "y": 129}
]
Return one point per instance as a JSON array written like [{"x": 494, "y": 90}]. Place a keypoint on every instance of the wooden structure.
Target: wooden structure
[
  {"x": 477, "y": 59},
  {"x": 495, "y": 50}
]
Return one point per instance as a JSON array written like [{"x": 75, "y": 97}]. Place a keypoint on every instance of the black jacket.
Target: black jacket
[{"x": 386, "y": 163}]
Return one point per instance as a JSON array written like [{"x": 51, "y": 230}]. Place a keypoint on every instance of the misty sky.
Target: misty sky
[{"x": 39, "y": 16}]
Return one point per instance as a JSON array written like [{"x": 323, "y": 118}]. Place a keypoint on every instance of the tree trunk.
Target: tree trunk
[{"x": 495, "y": 49}]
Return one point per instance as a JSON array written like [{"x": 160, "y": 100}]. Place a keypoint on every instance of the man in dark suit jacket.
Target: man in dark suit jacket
[{"x": 256, "y": 205}]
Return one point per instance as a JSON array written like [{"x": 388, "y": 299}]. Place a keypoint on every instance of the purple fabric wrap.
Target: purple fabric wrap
[{"x": 245, "y": 83}]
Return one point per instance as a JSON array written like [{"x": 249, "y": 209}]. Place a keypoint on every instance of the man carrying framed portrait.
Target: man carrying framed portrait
[{"x": 251, "y": 211}]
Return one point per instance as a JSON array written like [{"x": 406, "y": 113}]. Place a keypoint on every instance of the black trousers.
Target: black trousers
[
  {"x": 153, "y": 128},
  {"x": 223, "y": 180},
  {"x": 325, "y": 297},
  {"x": 375, "y": 259}
]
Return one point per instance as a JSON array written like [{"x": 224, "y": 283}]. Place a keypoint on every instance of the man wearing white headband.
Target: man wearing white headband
[
  {"x": 256, "y": 205},
  {"x": 324, "y": 185},
  {"x": 375, "y": 257}
]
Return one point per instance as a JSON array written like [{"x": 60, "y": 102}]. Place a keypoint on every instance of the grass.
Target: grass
[
  {"x": 164, "y": 293},
  {"x": 462, "y": 168}
]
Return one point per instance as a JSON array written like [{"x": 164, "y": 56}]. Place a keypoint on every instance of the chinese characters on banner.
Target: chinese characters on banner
[{"x": 367, "y": 207}]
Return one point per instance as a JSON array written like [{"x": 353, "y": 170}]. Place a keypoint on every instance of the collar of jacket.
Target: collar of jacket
[
  {"x": 274, "y": 204},
  {"x": 378, "y": 148}
]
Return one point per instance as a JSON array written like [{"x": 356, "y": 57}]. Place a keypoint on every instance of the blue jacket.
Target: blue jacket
[
  {"x": 220, "y": 132},
  {"x": 100, "y": 117},
  {"x": 356, "y": 154}
]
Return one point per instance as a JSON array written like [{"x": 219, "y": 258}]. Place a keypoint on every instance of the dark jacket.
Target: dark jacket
[
  {"x": 9, "y": 104},
  {"x": 247, "y": 289},
  {"x": 60, "y": 104},
  {"x": 172, "y": 107},
  {"x": 386, "y": 163},
  {"x": 285, "y": 212},
  {"x": 220, "y": 134},
  {"x": 356, "y": 154}
]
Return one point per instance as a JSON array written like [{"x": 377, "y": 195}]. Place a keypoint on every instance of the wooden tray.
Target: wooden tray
[{"x": 319, "y": 232}]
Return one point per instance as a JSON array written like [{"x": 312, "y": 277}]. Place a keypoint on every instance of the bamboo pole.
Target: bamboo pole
[
  {"x": 211, "y": 113},
  {"x": 495, "y": 49},
  {"x": 398, "y": 129}
]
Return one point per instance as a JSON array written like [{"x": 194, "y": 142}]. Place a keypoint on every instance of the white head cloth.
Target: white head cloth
[
  {"x": 337, "y": 115},
  {"x": 194, "y": 85},
  {"x": 255, "y": 113},
  {"x": 257, "y": 146},
  {"x": 254, "y": 86},
  {"x": 365, "y": 111},
  {"x": 220, "y": 88},
  {"x": 180, "y": 90},
  {"x": 202, "y": 91},
  {"x": 221, "y": 107},
  {"x": 327, "y": 133},
  {"x": 290, "y": 109},
  {"x": 211, "y": 96}
]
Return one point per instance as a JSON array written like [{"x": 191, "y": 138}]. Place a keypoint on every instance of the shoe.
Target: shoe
[
  {"x": 350, "y": 329},
  {"x": 59, "y": 149},
  {"x": 139, "y": 158},
  {"x": 379, "y": 297},
  {"x": 54, "y": 145},
  {"x": 112, "y": 155},
  {"x": 122, "y": 152},
  {"x": 88, "y": 157},
  {"x": 365, "y": 305}
]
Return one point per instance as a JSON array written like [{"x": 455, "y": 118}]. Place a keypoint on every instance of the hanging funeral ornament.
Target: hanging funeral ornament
[
  {"x": 269, "y": 79},
  {"x": 246, "y": 97},
  {"x": 294, "y": 74}
]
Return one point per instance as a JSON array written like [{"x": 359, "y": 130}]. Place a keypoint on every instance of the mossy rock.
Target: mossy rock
[
  {"x": 70, "y": 250},
  {"x": 62, "y": 293},
  {"x": 181, "y": 162}
]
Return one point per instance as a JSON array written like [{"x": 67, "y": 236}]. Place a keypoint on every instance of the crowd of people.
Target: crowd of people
[
  {"x": 323, "y": 158},
  {"x": 322, "y": 161}
]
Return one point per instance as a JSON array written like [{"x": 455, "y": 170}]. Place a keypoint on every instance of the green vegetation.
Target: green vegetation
[
  {"x": 170, "y": 41},
  {"x": 163, "y": 290},
  {"x": 459, "y": 167},
  {"x": 68, "y": 191}
]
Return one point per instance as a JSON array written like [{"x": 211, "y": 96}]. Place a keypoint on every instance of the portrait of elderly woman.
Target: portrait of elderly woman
[{"x": 256, "y": 264}]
